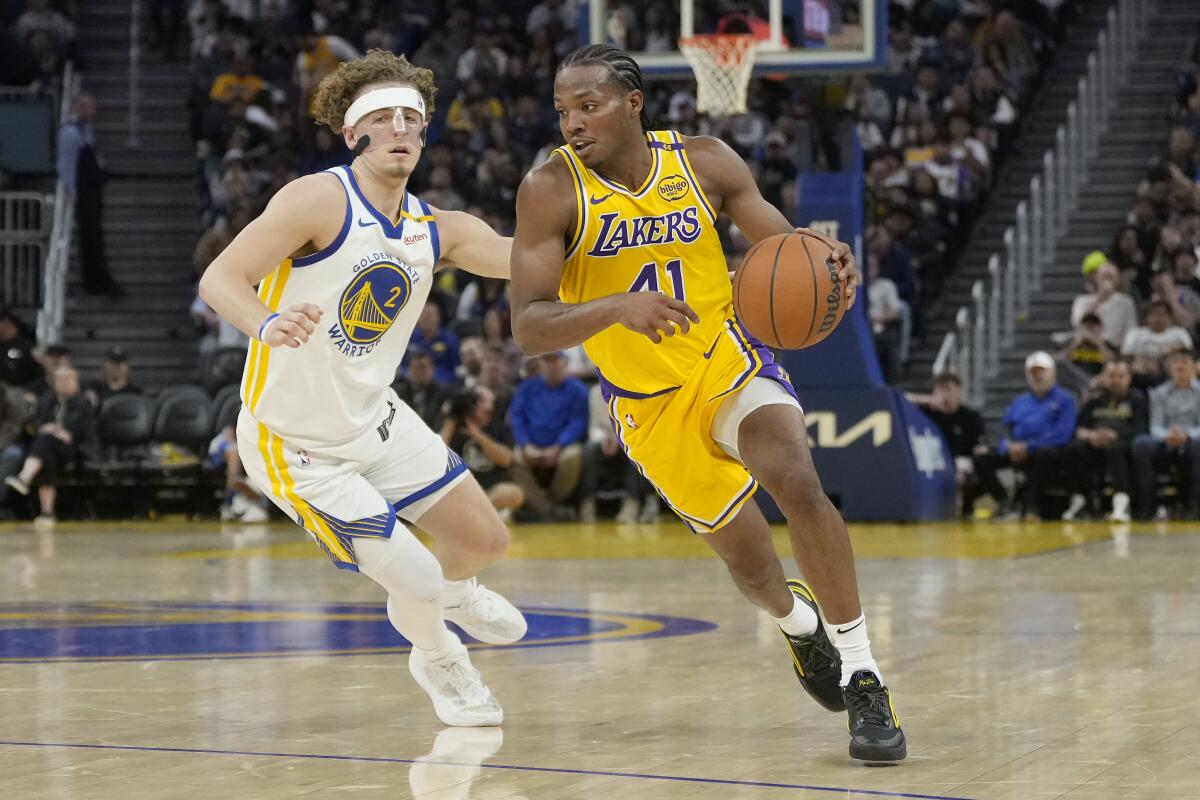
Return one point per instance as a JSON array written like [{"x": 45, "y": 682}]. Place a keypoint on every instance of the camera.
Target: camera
[{"x": 460, "y": 405}]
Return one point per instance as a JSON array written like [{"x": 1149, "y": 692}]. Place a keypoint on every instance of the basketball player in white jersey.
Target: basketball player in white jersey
[{"x": 343, "y": 261}]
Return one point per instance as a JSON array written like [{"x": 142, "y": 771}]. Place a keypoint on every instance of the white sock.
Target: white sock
[
  {"x": 449, "y": 646},
  {"x": 454, "y": 592},
  {"x": 800, "y": 621},
  {"x": 850, "y": 638}
]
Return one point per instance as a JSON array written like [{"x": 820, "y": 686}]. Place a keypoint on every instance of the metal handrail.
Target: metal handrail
[
  {"x": 135, "y": 73},
  {"x": 54, "y": 274},
  {"x": 941, "y": 362},
  {"x": 995, "y": 290},
  {"x": 1030, "y": 244}
]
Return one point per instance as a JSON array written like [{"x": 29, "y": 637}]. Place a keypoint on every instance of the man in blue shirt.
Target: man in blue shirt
[
  {"x": 80, "y": 170},
  {"x": 1036, "y": 425},
  {"x": 548, "y": 416},
  {"x": 439, "y": 342},
  {"x": 1174, "y": 435}
]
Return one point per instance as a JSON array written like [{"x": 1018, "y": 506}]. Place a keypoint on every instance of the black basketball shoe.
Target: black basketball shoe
[
  {"x": 875, "y": 733},
  {"x": 815, "y": 659}
]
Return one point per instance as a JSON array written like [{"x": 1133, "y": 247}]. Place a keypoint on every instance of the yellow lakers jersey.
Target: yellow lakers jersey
[{"x": 658, "y": 237}]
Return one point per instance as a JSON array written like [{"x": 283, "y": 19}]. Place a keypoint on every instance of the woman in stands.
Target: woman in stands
[{"x": 66, "y": 433}]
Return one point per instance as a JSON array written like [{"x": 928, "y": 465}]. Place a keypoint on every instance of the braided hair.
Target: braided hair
[{"x": 622, "y": 69}]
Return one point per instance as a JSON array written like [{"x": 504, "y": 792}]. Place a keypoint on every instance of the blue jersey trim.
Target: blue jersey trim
[
  {"x": 389, "y": 230},
  {"x": 309, "y": 260},
  {"x": 452, "y": 473},
  {"x": 434, "y": 239}
]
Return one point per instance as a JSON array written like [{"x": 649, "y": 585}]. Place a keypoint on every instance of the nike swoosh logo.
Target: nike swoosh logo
[
  {"x": 597, "y": 201},
  {"x": 852, "y": 627},
  {"x": 362, "y": 224}
]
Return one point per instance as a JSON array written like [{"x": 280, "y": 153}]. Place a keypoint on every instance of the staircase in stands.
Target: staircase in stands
[
  {"x": 151, "y": 215},
  {"x": 1135, "y": 135}
]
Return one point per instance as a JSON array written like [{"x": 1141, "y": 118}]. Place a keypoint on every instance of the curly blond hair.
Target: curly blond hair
[{"x": 336, "y": 90}]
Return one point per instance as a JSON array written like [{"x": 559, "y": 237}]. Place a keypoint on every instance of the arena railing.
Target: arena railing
[
  {"x": 987, "y": 327},
  {"x": 54, "y": 273}
]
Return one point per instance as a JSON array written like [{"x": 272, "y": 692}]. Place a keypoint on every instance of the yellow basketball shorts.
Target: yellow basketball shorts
[{"x": 668, "y": 435}]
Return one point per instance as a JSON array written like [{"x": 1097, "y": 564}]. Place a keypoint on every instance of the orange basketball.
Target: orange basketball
[{"x": 786, "y": 291}]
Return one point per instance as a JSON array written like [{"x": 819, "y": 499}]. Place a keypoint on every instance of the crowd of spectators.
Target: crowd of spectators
[{"x": 1116, "y": 410}]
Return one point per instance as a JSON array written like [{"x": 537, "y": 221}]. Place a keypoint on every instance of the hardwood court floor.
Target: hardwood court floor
[{"x": 174, "y": 660}]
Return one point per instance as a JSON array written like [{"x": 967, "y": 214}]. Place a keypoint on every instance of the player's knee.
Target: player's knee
[{"x": 799, "y": 493}]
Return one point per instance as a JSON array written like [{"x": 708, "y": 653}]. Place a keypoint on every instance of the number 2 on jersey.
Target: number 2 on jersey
[{"x": 647, "y": 279}]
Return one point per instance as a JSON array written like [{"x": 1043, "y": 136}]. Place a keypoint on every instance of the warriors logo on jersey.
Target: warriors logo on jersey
[{"x": 371, "y": 302}]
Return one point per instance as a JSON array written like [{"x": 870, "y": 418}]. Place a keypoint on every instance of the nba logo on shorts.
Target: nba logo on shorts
[
  {"x": 304, "y": 459},
  {"x": 629, "y": 423}
]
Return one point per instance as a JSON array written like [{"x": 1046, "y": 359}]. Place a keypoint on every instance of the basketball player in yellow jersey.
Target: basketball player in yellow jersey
[{"x": 616, "y": 248}]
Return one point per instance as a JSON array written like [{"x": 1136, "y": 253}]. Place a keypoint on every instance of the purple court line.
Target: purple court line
[{"x": 510, "y": 767}]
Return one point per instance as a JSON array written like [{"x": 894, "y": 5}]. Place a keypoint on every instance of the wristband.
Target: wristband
[{"x": 262, "y": 329}]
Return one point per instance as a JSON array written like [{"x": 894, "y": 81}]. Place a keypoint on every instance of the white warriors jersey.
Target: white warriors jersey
[{"x": 372, "y": 282}]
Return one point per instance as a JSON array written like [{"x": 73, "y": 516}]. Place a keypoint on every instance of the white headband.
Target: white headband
[{"x": 389, "y": 97}]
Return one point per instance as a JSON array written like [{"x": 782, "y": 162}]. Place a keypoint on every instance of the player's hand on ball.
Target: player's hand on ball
[
  {"x": 848, "y": 266},
  {"x": 655, "y": 315},
  {"x": 293, "y": 327}
]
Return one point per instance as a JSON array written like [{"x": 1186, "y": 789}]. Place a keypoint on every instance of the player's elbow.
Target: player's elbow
[{"x": 525, "y": 332}]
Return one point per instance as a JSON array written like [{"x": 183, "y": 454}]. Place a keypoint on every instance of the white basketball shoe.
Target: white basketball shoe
[
  {"x": 486, "y": 616},
  {"x": 460, "y": 697}
]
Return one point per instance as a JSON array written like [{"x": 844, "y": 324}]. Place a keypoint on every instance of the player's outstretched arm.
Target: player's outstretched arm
[
  {"x": 540, "y": 322},
  {"x": 470, "y": 244},
  {"x": 301, "y": 214},
  {"x": 728, "y": 183}
]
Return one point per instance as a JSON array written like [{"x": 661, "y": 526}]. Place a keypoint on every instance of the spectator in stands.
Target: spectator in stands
[
  {"x": 115, "y": 379},
  {"x": 214, "y": 240},
  {"x": 242, "y": 502},
  {"x": 498, "y": 338},
  {"x": 549, "y": 418},
  {"x": 470, "y": 362},
  {"x": 319, "y": 55},
  {"x": 547, "y": 12},
  {"x": 483, "y": 60},
  {"x": 1108, "y": 425},
  {"x": 420, "y": 389},
  {"x": 1116, "y": 310},
  {"x": 1147, "y": 345},
  {"x": 14, "y": 413},
  {"x": 1174, "y": 435},
  {"x": 1084, "y": 356},
  {"x": 66, "y": 433},
  {"x": 1131, "y": 261},
  {"x": 776, "y": 170},
  {"x": 484, "y": 440},
  {"x": 438, "y": 341},
  {"x": 883, "y": 307},
  {"x": 18, "y": 367},
  {"x": 605, "y": 463},
  {"x": 1185, "y": 270},
  {"x": 956, "y": 54},
  {"x": 867, "y": 102},
  {"x": 1183, "y": 153},
  {"x": 52, "y": 358},
  {"x": 239, "y": 84},
  {"x": 41, "y": 17},
  {"x": 961, "y": 426},
  {"x": 895, "y": 263},
  {"x": 1036, "y": 425},
  {"x": 1183, "y": 299},
  {"x": 80, "y": 171},
  {"x": 1170, "y": 244},
  {"x": 167, "y": 18}
]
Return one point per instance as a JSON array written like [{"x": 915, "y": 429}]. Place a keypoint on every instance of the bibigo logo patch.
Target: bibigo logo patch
[{"x": 672, "y": 187}]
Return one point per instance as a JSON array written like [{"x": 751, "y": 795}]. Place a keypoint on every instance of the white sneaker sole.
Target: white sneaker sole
[{"x": 446, "y": 712}]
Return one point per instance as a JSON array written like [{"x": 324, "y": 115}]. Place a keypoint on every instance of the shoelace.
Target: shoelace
[
  {"x": 482, "y": 603},
  {"x": 810, "y": 648},
  {"x": 465, "y": 681},
  {"x": 870, "y": 705}
]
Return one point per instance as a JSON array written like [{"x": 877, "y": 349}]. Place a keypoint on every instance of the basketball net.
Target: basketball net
[{"x": 722, "y": 64}]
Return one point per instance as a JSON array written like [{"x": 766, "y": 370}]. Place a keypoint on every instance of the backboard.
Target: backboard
[{"x": 799, "y": 35}]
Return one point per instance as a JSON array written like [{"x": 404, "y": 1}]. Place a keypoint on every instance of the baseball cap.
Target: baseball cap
[
  {"x": 117, "y": 355},
  {"x": 1039, "y": 358},
  {"x": 1094, "y": 261}
]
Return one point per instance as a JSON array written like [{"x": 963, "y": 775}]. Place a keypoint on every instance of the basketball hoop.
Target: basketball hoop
[{"x": 722, "y": 64}]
